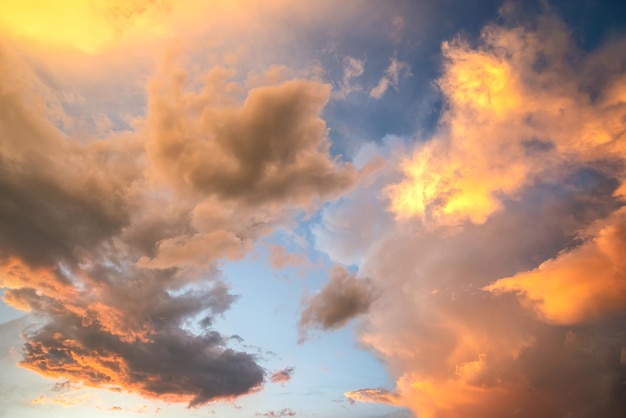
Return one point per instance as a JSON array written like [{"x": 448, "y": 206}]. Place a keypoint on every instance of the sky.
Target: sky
[{"x": 361, "y": 209}]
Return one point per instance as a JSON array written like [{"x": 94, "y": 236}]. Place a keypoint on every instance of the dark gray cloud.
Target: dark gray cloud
[
  {"x": 175, "y": 365},
  {"x": 343, "y": 298}
]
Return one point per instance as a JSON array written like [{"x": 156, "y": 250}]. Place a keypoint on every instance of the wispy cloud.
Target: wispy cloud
[{"x": 393, "y": 74}]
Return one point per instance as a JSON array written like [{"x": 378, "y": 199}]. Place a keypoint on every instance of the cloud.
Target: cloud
[
  {"x": 280, "y": 258},
  {"x": 371, "y": 395},
  {"x": 285, "y": 412},
  {"x": 114, "y": 243},
  {"x": 561, "y": 289},
  {"x": 343, "y": 298},
  {"x": 510, "y": 120},
  {"x": 353, "y": 68},
  {"x": 501, "y": 285},
  {"x": 396, "y": 70},
  {"x": 282, "y": 376}
]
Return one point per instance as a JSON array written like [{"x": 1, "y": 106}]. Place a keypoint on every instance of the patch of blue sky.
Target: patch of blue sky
[{"x": 265, "y": 315}]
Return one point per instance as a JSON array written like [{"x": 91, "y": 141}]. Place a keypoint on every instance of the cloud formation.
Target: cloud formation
[
  {"x": 585, "y": 284},
  {"x": 123, "y": 276},
  {"x": 395, "y": 71},
  {"x": 502, "y": 285},
  {"x": 343, "y": 298},
  {"x": 285, "y": 412},
  {"x": 282, "y": 376},
  {"x": 517, "y": 109},
  {"x": 271, "y": 149}
]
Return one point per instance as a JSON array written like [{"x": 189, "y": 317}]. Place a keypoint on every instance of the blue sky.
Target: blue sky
[{"x": 313, "y": 209}]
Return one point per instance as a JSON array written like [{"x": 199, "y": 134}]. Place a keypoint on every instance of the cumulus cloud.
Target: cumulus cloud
[
  {"x": 343, "y": 298},
  {"x": 273, "y": 148},
  {"x": 510, "y": 120},
  {"x": 502, "y": 291},
  {"x": 123, "y": 276}
]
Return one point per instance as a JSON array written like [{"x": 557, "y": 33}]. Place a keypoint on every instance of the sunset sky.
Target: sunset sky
[{"x": 355, "y": 208}]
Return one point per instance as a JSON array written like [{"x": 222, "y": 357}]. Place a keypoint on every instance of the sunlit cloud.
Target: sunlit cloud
[
  {"x": 517, "y": 194},
  {"x": 282, "y": 376}
]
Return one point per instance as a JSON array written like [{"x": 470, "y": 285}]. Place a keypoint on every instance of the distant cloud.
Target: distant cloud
[
  {"x": 282, "y": 376},
  {"x": 372, "y": 395},
  {"x": 285, "y": 412},
  {"x": 394, "y": 72},
  {"x": 343, "y": 298},
  {"x": 353, "y": 68}
]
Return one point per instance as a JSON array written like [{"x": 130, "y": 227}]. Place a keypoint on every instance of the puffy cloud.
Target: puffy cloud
[
  {"x": 343, "y": 298},
  {"x": 114, "y": 243},
  {"x": 523, "y": 180},
  {"x": 271, "y": 149},
  {"x": 517, "y": 109}
]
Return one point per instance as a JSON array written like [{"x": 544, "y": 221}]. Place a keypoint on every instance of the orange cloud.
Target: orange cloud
[
  {"x": 529, "y": 152},
  {"x": 507, "y": 123},
  {"x": 580, "y": 285}
]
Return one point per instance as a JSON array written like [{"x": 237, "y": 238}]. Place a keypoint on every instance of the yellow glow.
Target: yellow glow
[
  {"x": 71, "y": 23},
  {"x": 457, "y": 177},
  {"x": 88, "y": 26},
  {"x": 480, "y": 81}
]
